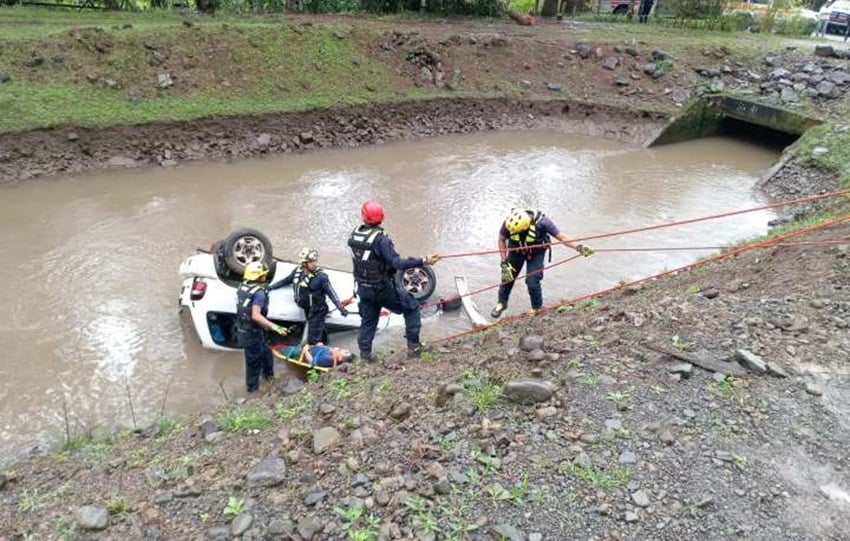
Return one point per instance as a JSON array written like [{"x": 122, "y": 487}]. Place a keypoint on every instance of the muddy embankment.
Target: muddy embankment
[{"x": 60, "y": 151}]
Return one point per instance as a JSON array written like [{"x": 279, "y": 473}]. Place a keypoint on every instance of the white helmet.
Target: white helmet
[{"x": 308, "y": 254}]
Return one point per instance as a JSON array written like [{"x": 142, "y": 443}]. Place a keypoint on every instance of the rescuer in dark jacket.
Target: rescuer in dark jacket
[
  {"x": 252, "y": 303},
  {"x": 524, "y": 239},
  {"x": 311, "y": 287},
  {"x": 375, "y": 264}
]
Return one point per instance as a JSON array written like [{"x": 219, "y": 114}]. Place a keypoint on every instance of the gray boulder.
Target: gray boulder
[
  {"x": 268, "y": 473},
  {"x": 92, "y": 517},
  {"x": 528, "y": 391}
]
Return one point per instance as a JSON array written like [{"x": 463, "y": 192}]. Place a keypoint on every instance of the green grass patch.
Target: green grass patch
[
  {"x": 244, "y": 419},
  {"x": 597, "y": 477},
  {"x": 835, "y": 138}
]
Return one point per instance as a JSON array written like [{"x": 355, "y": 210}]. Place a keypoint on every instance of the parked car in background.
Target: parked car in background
[{"x": 839, "y": 17}]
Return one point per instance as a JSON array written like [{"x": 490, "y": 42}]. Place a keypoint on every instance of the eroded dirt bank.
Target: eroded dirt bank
[{"x": 50, "y": 152}]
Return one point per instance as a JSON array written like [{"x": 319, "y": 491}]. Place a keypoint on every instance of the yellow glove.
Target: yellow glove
[
  {"x": 585, "y": 251},
  {"x": 508, "y": 272},
  {"x": 280, "y": 330},
  {"x": 431, "y": 259}
]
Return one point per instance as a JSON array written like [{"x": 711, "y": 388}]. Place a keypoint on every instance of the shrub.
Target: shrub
[{"x": 795, "y": 25}]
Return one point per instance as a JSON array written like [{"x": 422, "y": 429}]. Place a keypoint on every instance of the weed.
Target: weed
[
  {"x": 619, "y": 397},
  {"x": 118, "y": 505},
  {"x": 587, "y": 303},
  {"x": 693, "y": 289},
  {"x": 730, "y": 388},
  {"x": 139, "y": 457},
  {"x": 484, "y": 395},
  {"x": 244, "y": 419},
  {"x": 658, "y": 389},
  {"x": 301, "y": 403},
  {"x": 491, "y": 464},
  {"x": 167, "y": 425},
  {"x": 591, "y": 340},
  {"x": 422, "y": 516},
  {"x": 30, "y": 501},
  {"x": 519, "y": 492},
  {"x": 340, "y": 388},
  {"x": 313, "y": 375},
  {"x": 605, "y": 479},
  {"x": 234, "y": 506},
  {"x": 66, "y": 528},
  {"x": 678, "y": 343},
  {"x": 589, "y": 380}
]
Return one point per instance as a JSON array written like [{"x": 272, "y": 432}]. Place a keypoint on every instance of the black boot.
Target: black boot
[{"x": 415, "y": 350}]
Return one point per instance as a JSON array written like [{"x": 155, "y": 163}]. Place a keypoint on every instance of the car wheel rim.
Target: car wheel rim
[
  {"x": 415, "y": 281},
  {"x": 248, "y": 249}
]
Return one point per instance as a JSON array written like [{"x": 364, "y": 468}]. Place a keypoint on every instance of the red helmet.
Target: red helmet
[{"x": 372, "y": 212}]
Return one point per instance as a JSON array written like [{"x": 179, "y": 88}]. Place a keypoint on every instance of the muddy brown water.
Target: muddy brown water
[{"x": 88, "y": 265}]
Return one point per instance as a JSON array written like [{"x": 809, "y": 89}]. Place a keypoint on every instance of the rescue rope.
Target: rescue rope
[
  {"x": 777, "y": 204},
  {"x": 776, "y": 241}
]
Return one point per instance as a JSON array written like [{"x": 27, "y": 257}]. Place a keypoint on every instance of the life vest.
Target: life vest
[
  {"x": 368, "y": 269},
  {"x": 244, "y": 295},
  {"x": 301, "y": 287},
  {"x": 531, "y": 236}
]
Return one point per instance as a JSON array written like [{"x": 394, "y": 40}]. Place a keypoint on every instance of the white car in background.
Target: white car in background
[
  {"x": 839, "y": 17},
  {"x": 210, "y": 279}
]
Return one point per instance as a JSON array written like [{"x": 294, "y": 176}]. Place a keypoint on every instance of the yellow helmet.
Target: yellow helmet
[
  {"x": 254, "y": 271},
  {"x": 518, "y": 220},
  {"x": 308, "y": 254}
]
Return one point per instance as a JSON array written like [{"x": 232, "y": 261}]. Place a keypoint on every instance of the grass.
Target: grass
[
  {"x": 837, "y": 160},
  {"x": 118, "y": 506},
  {"x": 604, "y": 479},
  {"x": 729, "y": 388},
  {"x": 295, "y": 406},
  {"x": 244, "y": 419},
  {"x": 234, "y": 506}
]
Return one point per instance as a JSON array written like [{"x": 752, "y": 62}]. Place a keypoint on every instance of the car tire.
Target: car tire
[
  {"x": 622, "y": 9},
  {"x": 245, "y": 245},
  {"x": 418, "y": 281}
]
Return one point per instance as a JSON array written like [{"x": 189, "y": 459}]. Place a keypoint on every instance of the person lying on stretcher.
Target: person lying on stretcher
[{"x": 317, "y": 355}]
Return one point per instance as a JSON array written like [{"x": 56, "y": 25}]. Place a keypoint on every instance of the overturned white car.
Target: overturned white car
[{"x": 210, "y": 279}]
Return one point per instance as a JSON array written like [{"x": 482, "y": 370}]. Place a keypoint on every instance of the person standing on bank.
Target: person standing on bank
[
  {"x": 311, "y": 287},
  {"x": 252, "y": 304},
  {"x": 375, "y": 264},
  {"x": 524, "y": 240}
]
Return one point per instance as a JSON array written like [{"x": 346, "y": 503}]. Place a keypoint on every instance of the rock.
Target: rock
[
  {"x": 711, "y": 293},
  {"x": 446, "y": 392},
  {"x": 788, "y": 95},
  {"x": 241, "y": 523},
  {"x": 264, "y": 140},
  {"x": 163, "y": 80},
  {"x": 650, "y": 68},
  {"x": 611, "y": 63},
  {"x": 327, "y": 409},
  {"x": 621, "y": 82},
  {"x": 291, "y": 386},
  {"x": 825, "y": 51},
  {"x": 309, "y": 526},
  {"x": 269, "y": 472},
  {"x": 683, "y": 369},
  {"x": 92, "y": 517},
  {"x": 716, "y": 86},
  {"x": 305, "y": 138},
  {"x": 442, "y": 486},
  {"x": 218, "y": 533},
  {"x": 121, "y": 161},
  {"x": 751, "y": 361},
  {"x": 525, "y": 83},
  {"x": 3, "y": 481},
  {"x": 773, "y": 60},
  {"x": 528, "y": 391},
  {"x": 839, "y": 77},
  {"x": 535, "y": 536},
  {"x": 401, "y": 411},
  {"x": 631, "y": 516},
  {"x": 315, "y": 497},
  {"x": 4, "y": 77},
  {"x": 339, "y": 35},
  {"x": 72, "y": 136},
  {"x": 545, "y": 413},
  {"x": 814, "y": 389},
  {"x": 658, "y": 55},
  {"x": 667, "y": 437},
  {"x": 530, "y": 342},
  {"x": 536, "y": 356},
  {"x": 641, "y": 498},
  {"x": 627, "y": 457},
  {"x": 835, "y": 492},
  {"x": 554, "y": 87},
  {"x": 506, "y": 532},
  {"x": 779, "y": 74},
  {"x": 817, "y": 152},
  {"x": 583, "y": 50},
  {"x": 34, "y": 61},
  {"x": 612, "y": 425},
  {"x": 325, "y": 438},
  {"x": 775, "y": 369},
  {"x": 632, "y": 50}
]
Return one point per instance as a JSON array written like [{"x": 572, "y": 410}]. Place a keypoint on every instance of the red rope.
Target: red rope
[
  {"x": 747, "y": 247},
  {"x": 671, "y": 224}
]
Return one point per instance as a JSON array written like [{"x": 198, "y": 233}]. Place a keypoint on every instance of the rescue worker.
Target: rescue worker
[
  {"x": 252, "y": 303},
  {"x": 310, "y": 288},
  {"x": 375, "y": 264},
  {"x": 524, "y": 240}
]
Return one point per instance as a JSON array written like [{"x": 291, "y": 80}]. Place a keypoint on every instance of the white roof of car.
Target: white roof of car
[{"x": 841, "y": 5}]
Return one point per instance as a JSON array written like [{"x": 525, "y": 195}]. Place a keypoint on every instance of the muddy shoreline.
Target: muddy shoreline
[{"x": 69, "y": 150}]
